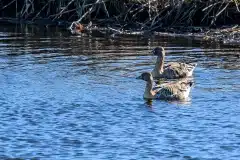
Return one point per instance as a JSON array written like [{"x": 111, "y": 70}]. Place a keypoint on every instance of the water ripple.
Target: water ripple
[{"x": 68, "y": 97}]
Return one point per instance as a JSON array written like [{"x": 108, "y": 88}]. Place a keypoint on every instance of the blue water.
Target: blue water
[{"x": 72, "y": 97}]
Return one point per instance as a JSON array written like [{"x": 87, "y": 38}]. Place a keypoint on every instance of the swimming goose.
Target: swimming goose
[
  {"x": 171, "y": 70},
  {"x": 178, "y": 90}
]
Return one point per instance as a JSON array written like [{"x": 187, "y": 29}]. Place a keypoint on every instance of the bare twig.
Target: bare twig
[
  {"x": 89, "y": 11},
  {"x": 64, "y": 9},
  {"x": 105, "y": 9},
  {"x": 236, "y": 3},
  {"x": 115, "y": 30},
  {"x": 68, "y": 11},
  {"x": 7, "y": 5},
  {"x": 41, "y": 10},
  {"x": 216, "y": 16}
]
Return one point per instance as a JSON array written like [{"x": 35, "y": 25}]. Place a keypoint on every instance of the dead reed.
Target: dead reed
[{"x": 141, "y": 14}]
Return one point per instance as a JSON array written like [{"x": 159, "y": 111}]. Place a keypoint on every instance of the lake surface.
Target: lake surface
[{"x": 77, "y": 97}]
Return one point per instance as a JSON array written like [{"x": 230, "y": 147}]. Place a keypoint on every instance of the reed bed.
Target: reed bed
[{"x": 148, "y": 15}]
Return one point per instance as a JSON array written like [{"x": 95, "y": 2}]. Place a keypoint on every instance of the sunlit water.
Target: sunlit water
[{"x": 72, "y": 97}]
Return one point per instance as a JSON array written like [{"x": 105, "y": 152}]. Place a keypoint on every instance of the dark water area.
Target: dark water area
[{"x": 77, "y": 97}]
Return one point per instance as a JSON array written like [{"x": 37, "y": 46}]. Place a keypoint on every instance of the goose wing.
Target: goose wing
[
  {"x": 175, "y": 64},
  {"x": 167, "y": 92},
  {"x": 175, "y": 91},
  {"x": 183, "y": 66},
  {"x": 185, "y": 84},
  {"x": 175, "y": 71}
]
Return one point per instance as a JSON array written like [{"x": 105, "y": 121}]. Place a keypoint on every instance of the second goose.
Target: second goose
[{"x": 171, "y": 70}]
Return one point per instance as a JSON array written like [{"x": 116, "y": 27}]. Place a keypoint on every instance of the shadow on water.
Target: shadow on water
[{"x": 76, "y": 97}]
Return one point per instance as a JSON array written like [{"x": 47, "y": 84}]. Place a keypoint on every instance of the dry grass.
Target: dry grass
[{"x": 143, "y": 14}]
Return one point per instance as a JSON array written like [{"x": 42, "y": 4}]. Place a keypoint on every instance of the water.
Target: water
[{"x": 72, "y": 97}]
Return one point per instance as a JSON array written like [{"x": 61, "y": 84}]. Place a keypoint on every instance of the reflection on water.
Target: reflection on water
[{"x": 68, "y": 97}]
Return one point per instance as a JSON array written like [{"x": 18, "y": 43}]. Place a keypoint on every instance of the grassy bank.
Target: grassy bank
[{"x": 140, "y": 14}]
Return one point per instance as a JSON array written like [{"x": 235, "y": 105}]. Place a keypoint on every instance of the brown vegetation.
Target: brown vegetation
[{"x": 139, "y": 14}]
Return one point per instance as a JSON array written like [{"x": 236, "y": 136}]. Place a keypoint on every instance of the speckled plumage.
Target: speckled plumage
[
  {"x": 171, "y": 70},
  {"x": 175, "y": 91},
  {"x": 178, "y": 90}
]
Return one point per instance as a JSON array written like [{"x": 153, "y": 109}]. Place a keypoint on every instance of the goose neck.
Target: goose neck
[
  {"x": 159, "y": 64},
  {"x": 149, "y": 93}
]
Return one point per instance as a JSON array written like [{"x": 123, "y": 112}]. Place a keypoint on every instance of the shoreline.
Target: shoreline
[{"x": 226, "y": 35}]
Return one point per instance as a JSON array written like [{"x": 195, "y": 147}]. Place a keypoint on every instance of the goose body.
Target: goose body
[
  {"x": 178, "y": 90},
  {"x": 171, "y": 70}
]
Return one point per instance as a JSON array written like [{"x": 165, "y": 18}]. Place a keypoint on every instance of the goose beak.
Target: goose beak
[
  {"x": 139, "y": 77},
  {"x": 153, "y": 52}
]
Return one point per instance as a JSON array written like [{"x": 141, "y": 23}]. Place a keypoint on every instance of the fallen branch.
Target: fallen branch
[
  {"x": 64, "y": 9},
  {"x": 7, "y": 5},
  {"x": 41, "y": 10}
]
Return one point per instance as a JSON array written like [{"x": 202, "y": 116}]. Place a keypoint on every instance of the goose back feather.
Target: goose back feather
[
  {"x": 171, "y": 70},
  {"x": 178, "y": 90}
]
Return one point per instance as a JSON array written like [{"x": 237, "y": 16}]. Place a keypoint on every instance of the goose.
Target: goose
[
  {"x": 171, "y": 70},
  {"x": 178, "y": 90}
]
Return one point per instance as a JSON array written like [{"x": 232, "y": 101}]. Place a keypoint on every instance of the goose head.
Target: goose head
[
  {"x": 146, "y": 76},
  {"x": 159, "y": 51}
]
